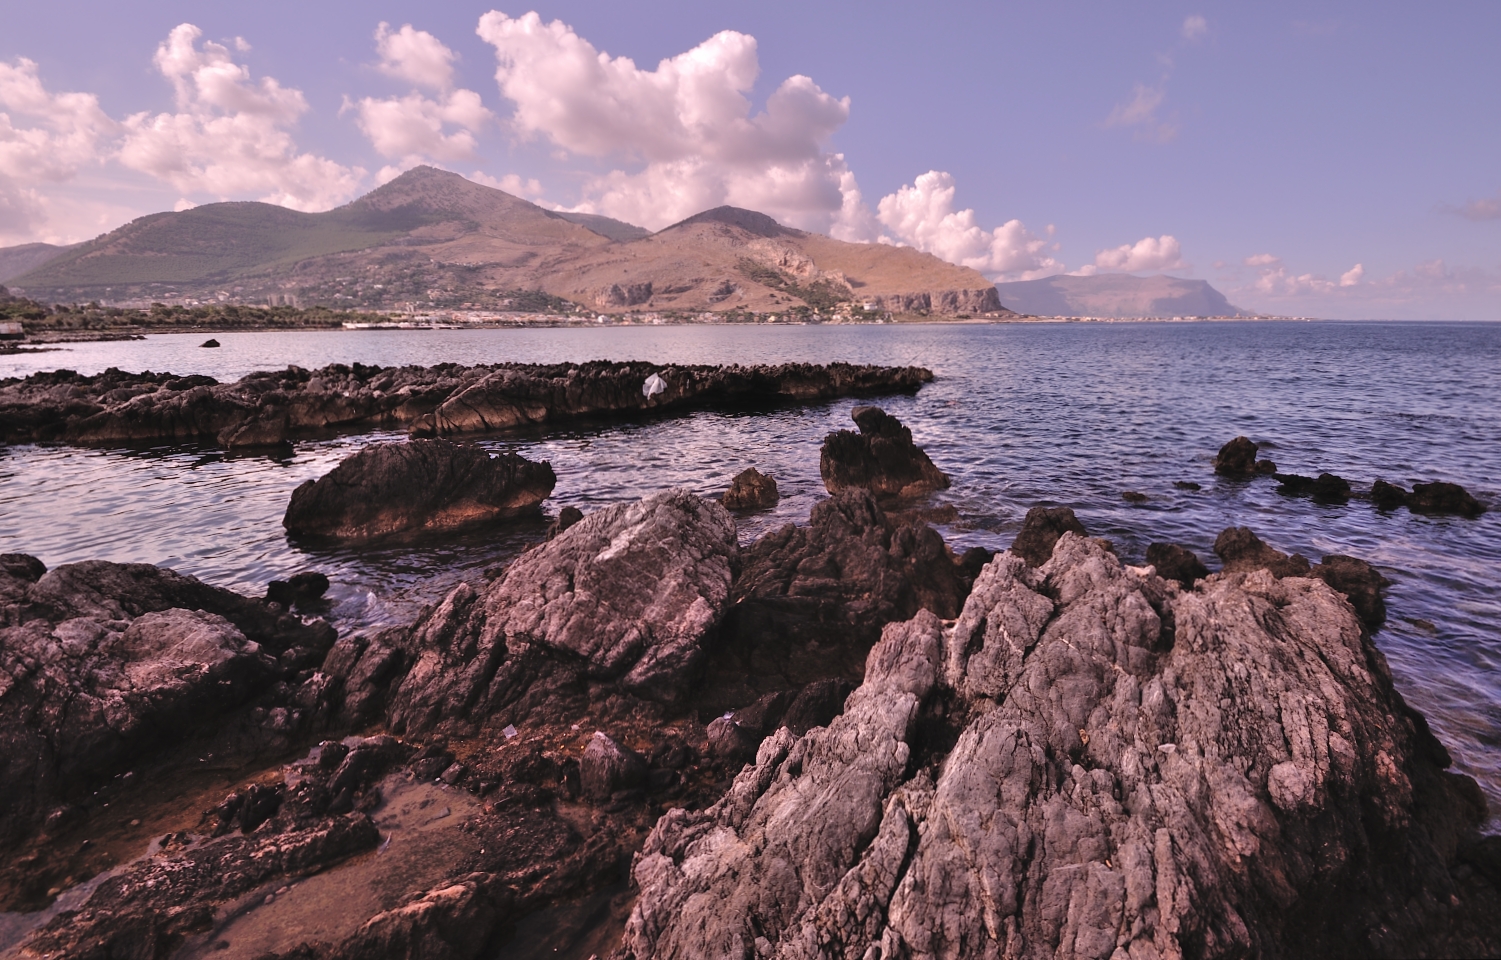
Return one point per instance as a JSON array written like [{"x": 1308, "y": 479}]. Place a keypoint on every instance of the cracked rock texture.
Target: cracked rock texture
[
  {"x": 419, "y": 485},
  {"x": 627, "y": 595},
  {"x": 880, "y": 458},
  {"x": 1090, "y": 762}
]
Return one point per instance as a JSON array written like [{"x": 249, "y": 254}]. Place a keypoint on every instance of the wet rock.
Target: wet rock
[
  {"x": 210, "y": 342},
  {"x": 301, "y": 589},
  {"x": 608, "y": 767},
  {"x": 1360, "y": 582},
  {"x": 809, "y": 601},
  {"x": 1388, "y": 496},
  {"x": 1041, "y": 530},
  {"x": 1238, "y": 459},
  {"x": 1187, "y": 485},
  {"x": 567, "y": 517},
  {"x": 272, "y": 407},
  {"x": 103, "y": 665},
  {"x": 1176, "y": 563},
  {"x": 880, "y": 458},
  {"x": 751, "y": 489},
  {"x": 625, "y": 597},
  {"x": 1104, "y": 783},
  {"x": 1439, "y": 497},
  {"x": 419, "y": 485},
  {"x": 1134, "y": 496},
  {"x": 1242, "y": 551},
  {"x": 22, "y": 566},
  {"x": 1326, "y": 488}
]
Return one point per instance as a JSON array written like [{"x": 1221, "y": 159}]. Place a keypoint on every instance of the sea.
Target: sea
[{"x": 1018, "y": 414}]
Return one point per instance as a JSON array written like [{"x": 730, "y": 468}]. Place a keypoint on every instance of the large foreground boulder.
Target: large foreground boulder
[
  {"x": 880, "y": 458},
  {"x": 103, "y": 665},
  {"x": 418, "y": 485},
  {"x": 1090, "y": 763},
  {"x": 626, "y": 596}
]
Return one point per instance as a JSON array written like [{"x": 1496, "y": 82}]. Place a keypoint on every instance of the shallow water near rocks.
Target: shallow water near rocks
[{"x": 1019, "y": 414}]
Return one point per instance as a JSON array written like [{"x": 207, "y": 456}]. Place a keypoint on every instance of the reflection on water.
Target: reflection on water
[{"x": 1020, "y": 414}]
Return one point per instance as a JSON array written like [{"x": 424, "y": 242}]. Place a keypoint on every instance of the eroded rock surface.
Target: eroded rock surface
[
  {"x": 104, "y": 664},
  {"x": 1090, "y": 763},
  {"x": 390, "y": 488},
  {"x": 880, "y": 458},
  {"x": 1041, "y": 529},
  {"x": 751, "y": 489}
]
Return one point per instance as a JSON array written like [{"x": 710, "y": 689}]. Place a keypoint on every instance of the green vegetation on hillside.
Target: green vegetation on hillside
[{"x": 821, "y": 296}]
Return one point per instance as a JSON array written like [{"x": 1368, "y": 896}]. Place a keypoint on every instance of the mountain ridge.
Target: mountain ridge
[
  {"x": 430, "y": 238},
  {"x": 1116, "y": 295}
]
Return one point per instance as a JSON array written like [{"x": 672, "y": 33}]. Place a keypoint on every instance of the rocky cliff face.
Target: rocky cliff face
[{"x": 1090, "y": 762}]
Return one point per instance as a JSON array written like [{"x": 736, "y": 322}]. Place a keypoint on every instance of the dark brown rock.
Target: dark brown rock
[
  {"x": 567, "y": 517},
  {"x": 1361, "y": 583},
  {"x": 1177, "y": 563},
  {"x": 1242, "y": 551},
  {"x": 1041, "y": 530},
  {"x": 607, "y": 767},
  {"x": 751, "y": 489},
  {"x": 1326, "y": 488},
  {"x": 210, "y": 342},
  {"x": 1440, "y": 497},
  {"x": 22, "y": 566},
  {"x": 809, "y": 601},
  {"x": 1238, "y": 459},
  {"x": 1187, "y": 485},
  {"x": 418, "y": 485},
  {"x": 1134, "y": 496},
  {"x": 880, "y": 458},
  {"x": 1388, "y": 496}
]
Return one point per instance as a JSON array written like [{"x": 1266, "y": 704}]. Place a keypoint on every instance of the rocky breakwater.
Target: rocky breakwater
[
  {"x": 272, "y": 408},
  {"x": 420, "y": 485},
  {"x": 880, "y": 458},
  {"x": 1092, "y": 762}
]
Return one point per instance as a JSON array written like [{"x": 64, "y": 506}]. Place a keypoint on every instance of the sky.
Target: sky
[{"x": 1337, "y": 160}]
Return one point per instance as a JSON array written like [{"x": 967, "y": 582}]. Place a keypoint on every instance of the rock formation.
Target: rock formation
[
  {"x": 104, "y": 664},
  {"x": 1176, "y": 563},
  {"x": 1040, "y": 531},
  {"x": 1238, "y": 459},
  {"x": 1089, "y": 763},
  {"x": 418, "y": 485},
  {"x": 1326, "y": 488},
  {"x": 751, "y": 489},
  {"x": 270, "y": 408},
  {"x": 880, "y": 458}
]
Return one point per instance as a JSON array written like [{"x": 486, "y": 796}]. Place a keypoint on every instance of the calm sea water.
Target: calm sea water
[{"x": 1019, "y": 414}]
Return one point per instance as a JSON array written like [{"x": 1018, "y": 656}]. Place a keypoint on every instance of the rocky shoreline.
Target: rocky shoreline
[
  {"x": 268, "y": 409},
  {"x": 841, "y": 740}
]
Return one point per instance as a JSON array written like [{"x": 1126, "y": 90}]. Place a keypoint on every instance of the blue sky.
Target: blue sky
[{"x": 1267, "y": 148}]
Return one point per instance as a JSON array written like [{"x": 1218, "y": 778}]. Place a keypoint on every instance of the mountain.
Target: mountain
[
  {"x": 15, "y": 261},
  {"x": 430, "y": 238},
  {"x": 1116, "y": 295}
]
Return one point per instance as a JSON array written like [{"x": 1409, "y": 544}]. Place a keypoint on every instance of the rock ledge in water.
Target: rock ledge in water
[
  {"x": 751, "y": 489},
  {"x": 1238, "y": 459},
  {"x": 418, "y": 485},
  {"x": 880, "y": 458}
]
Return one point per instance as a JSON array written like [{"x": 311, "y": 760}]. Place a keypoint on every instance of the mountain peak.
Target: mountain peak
[{"x": 748, "y": 220}]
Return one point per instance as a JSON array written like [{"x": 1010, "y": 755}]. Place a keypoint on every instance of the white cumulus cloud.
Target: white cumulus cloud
[
  {"x": 683, "y": 133},
  {"x": 416, "y": 127},
  {"x": 1148, "y": 253},
  {"x": 229, "y": 135},
  {"x": 511, "y": 183},
  {"x": 922, "y": 215},
  {"x": 1352, "y": 276}
]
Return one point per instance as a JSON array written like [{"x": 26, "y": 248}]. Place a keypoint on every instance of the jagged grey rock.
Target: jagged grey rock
[
  {"x": 628, "y": 595},
  {"x": 1090, "y": 763}
]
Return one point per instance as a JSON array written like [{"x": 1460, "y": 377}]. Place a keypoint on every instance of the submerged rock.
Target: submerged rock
[
  {"x": 1090, "y": 763},
  {"x": 1238, "y": 459},
  {"x": 1440, "y": 497},
  {"x": 880, "y": 458},
  {"x": 1326, "y": 488},
  {"x": 751, "y": 489},
  {"x": 390, "y": 488},
  {"x": 1388, "y": 496},
  {"x": 1041, "y": 530}
]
